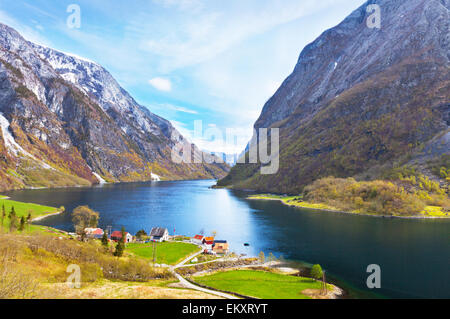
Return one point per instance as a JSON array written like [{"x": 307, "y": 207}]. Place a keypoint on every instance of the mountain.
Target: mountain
[
  {"x": 362, "y": 100},
  {"x": 228, "y": 158},
  {"x": 65, "y": 121}
]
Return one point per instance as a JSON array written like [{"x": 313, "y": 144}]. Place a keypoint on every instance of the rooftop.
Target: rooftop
[{"x": 158, "y": 231}]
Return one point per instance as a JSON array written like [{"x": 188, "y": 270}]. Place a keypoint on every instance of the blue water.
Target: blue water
[{"x": 413, "y": 254}]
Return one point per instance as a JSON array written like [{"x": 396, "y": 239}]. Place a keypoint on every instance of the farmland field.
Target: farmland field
[
  {"x": 259, "y": 284},
  {"x": 168, "y": 253}
]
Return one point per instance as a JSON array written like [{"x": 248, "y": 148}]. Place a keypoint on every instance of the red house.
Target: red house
[
  {"x": 117, "y": 236},
  {"x": 197, "y": 239}
]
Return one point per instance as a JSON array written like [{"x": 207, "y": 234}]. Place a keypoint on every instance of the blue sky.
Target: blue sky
[{"x": 186, "y": 60}]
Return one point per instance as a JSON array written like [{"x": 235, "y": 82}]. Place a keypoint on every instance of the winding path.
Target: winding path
[{"x": 190, "y": 285}]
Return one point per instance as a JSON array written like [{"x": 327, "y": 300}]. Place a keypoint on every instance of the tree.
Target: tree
[
  {"x": 120, "y": 247},
  {"x": 12, "y": 220},
  {"x": 3, "y": 214},
  {"x": 22, "y": 224},
  {"x": 316, "y": 272},
  {"x": 105, "y": 241},
  {"x": 84, "y": 217},
  {"x": 262, "y": 257},
  {"x": 123, "y": 235},
  {"x": 141, "y": 234},
  {"x": 29, "y": 219},
  {"x": 271, "y": 257}
]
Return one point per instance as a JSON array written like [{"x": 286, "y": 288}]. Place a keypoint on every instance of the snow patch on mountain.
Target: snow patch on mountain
[
  {"x": 100, "y": 179},
  {"x": 156, "y": 178},
  {"x": 11, "y": 144}
]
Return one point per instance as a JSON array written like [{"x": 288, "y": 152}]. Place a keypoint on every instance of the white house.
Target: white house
[
  {"x": 159, "y": 234},
  {"x": 197, "y": 240}
]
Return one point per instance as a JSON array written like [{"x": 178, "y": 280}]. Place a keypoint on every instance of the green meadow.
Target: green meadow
[
  {"x": 23, "y": 209},
  {"x": 169, "y": 253},
  {"x": 260, "y": 284}
]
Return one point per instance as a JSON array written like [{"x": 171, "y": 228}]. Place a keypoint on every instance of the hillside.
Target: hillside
[
  {"x": 363, "y": 103},
  {"x": 66, "y": 121}
]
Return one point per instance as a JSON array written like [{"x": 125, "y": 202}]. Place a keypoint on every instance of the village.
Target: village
[{"x": 208, "y": 245}]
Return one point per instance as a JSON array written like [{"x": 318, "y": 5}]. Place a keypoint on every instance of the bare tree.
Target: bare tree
[{"x": 83, "y": 217}]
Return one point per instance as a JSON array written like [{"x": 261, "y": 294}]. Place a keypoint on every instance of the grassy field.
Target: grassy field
[
  {"x": 293, "y": 201},
  {"x": 259, "y": 284},
  {"x": 169, "y": 253},
  {"x": 23, "y": 209}
]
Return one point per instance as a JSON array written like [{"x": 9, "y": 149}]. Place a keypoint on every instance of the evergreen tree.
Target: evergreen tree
[
  {"x": 123, "y": 235},
  {"x": 22, "y": 224},
  {"x": 29, "y": 220},
  {"x": 105, "y": 239},
  {"x": 12, "y": 220},
  {"x": 3, "y": 215},
  {"x": 120, "y": 247}
]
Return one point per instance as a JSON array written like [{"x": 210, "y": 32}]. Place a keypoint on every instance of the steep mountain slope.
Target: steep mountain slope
[
  {"x": 361, "y": 99},
  {"x": 66, "y": 121}
]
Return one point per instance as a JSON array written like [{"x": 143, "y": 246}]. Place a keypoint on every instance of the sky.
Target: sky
[{"x": 213, "y": 61}]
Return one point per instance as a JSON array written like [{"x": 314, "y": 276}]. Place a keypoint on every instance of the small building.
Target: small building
[
  {"x": 94, "y": 233},
  {"x": 221, "y": 247},
  {"x": 159, "y": 234},
  {"x": 208, "y": 243},
  {"x": 117, "y": 236},
  {"x": 197, "y": 239}
]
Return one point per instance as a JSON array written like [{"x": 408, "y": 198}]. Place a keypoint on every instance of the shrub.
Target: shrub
[{"x": 373, "y": 197}]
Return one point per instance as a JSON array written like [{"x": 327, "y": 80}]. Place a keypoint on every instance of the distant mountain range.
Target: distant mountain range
[
  {"x": 65, "y": 121},
  {"x": 361, "y": 100},
  {"x": 230, "y": 159}
]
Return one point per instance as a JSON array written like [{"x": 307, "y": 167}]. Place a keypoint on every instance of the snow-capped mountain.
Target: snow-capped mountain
[{"x": 66, "y": 121}]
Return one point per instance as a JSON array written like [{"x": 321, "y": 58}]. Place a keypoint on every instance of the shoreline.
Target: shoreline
[
  {"x": 346, "y": 212},
  {"x": 100, "y": 185},
  {"x": 40, "y": 218}
]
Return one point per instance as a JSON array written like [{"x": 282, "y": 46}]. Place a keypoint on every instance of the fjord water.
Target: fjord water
[{"x": 413, "y": 255}]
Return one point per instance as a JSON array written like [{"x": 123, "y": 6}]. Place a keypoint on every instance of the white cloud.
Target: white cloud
[
  {"x": 181, "y": 4},
  {"x": 161, "y": 84},
  {"x": 210, "y": 30},
  {"x": 178, "y": 108}
]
